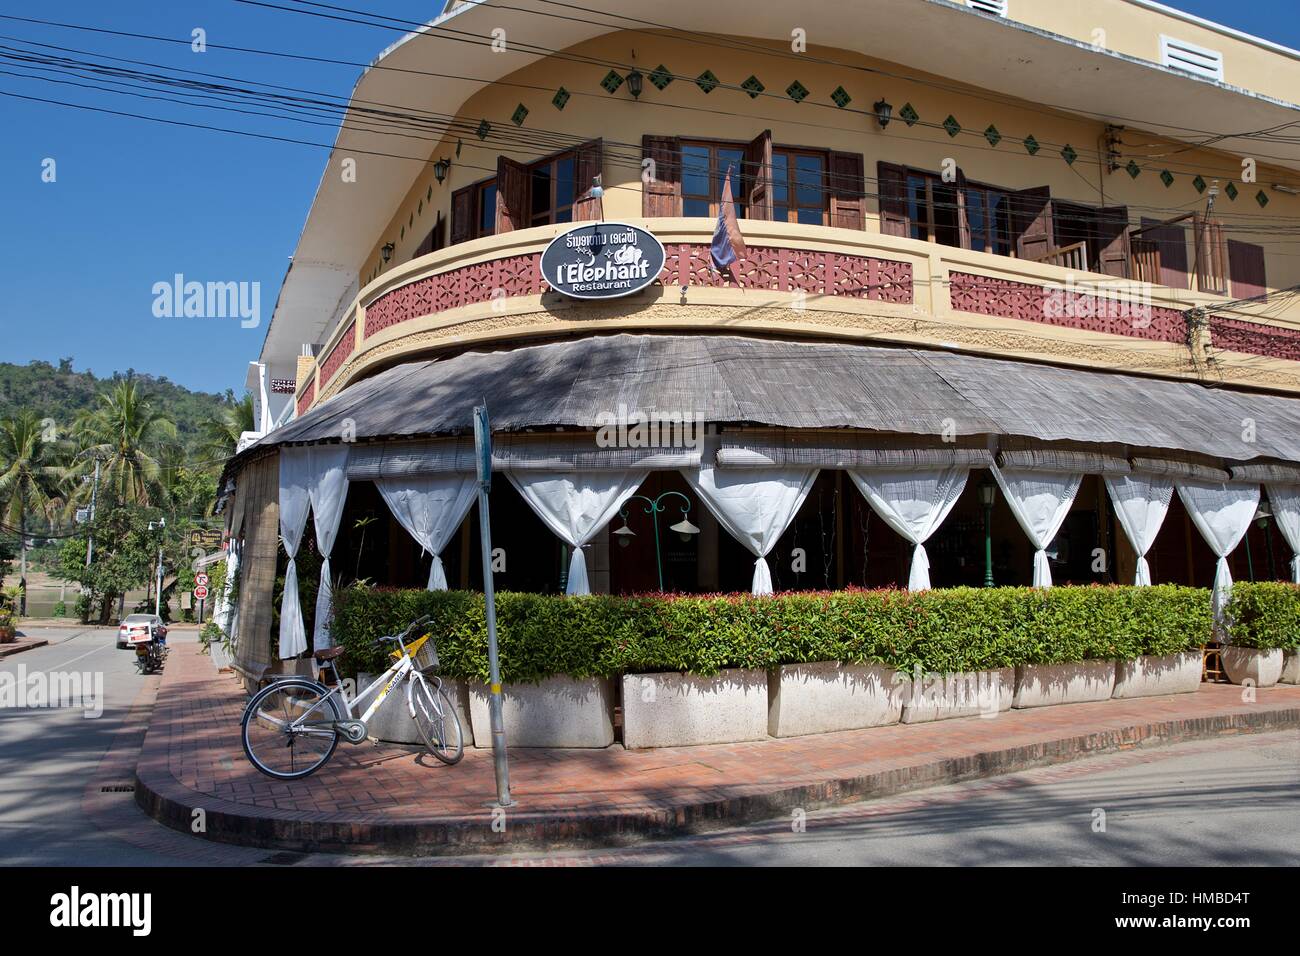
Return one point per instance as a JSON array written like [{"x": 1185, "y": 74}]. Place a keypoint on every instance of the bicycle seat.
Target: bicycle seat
[{"x": 328, "y": 654}]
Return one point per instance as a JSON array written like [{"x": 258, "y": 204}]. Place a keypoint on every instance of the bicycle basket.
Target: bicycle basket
[{"x": 427, "y": 658}]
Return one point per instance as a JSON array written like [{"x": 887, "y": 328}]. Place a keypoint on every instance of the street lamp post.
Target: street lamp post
[
  {"x": 159, "y": 527},
  {"x": 987, "y": 493},
  {"x": 653, "y": 508}
]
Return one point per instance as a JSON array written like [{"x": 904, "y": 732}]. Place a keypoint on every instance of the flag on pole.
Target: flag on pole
[{"x": 728, "y": 244}]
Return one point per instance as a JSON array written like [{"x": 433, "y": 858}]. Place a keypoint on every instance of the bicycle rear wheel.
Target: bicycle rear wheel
[
  {"x": 272, "y": 742},
  {"x": 436, "y": 717}
]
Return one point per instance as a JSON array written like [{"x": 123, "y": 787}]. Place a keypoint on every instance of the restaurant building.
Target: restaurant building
[{"x": 1015, "y": 304}]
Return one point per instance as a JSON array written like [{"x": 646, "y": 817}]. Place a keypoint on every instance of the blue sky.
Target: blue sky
[{"x": 135, "y": 203}]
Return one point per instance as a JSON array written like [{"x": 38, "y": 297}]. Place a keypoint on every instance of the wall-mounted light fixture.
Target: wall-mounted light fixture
[
  {"x": 634, "y": 79},
  {"x": 884, "y": 112},
  {"x": 386, "y": 252},
  {"x": 440, "y": 169}
]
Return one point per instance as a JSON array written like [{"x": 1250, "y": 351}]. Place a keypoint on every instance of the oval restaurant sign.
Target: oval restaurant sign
[{"x": 602, "y": 260}]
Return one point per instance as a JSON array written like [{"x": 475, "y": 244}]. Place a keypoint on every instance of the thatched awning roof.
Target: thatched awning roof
[{"x": 580, "y": 383}]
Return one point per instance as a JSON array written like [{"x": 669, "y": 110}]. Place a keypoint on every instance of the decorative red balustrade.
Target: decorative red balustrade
[
  {"x": 773, "y": 269},
  {"x": 308, "y": 394},
  {"x": 1254, "y": 338},
  {"x": 1072, "y": 306},
  {"x": 341, "y": 352}
]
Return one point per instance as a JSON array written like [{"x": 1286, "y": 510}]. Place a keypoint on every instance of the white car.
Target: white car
[{"x": 138, "y": 622}]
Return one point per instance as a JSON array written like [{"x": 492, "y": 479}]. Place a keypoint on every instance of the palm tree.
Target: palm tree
[
  {"x": 221, "y": 432},
  {"x": 124, "y": 434},
  {"x": 30, "y": 477}
]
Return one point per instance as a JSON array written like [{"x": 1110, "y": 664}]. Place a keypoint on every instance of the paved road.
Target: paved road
[{"x": 1232, "y": 801}]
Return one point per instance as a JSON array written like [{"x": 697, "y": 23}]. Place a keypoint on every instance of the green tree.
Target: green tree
[
  {"x": 220, "y": 433},
  {"x": 124, "y": 434},
  {"x": 125, "y": 550},
  {"x": 31, "y": 476}
]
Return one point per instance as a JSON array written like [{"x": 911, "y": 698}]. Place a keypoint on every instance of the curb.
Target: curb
[
  {"x": 9, "y": 650},
  {"x": 165, "y": 799}
]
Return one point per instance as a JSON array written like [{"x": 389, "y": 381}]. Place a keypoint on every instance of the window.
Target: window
[
  {"x": 932, "y": 209},
  {"x": 799, "y": 187},
  {"x": 485, "y": 205},
  {"x": 988, "y": 212},
  {"x": 552, "y": 187},
  {"x": 704, "y": 168}
]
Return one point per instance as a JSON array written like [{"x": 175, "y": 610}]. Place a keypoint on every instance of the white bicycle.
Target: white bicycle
[{"x": 291, "y": 727}]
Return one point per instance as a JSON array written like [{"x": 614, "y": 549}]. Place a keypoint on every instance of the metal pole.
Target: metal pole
[
  {"x": 659, "y": 562},
  {"x": 988, "y": 546},
  {"x": 483, "y": 441},
  {"x": 90, "y": 536}
]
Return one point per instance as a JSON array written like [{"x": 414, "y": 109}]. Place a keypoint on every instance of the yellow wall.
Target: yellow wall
[
  {"x": 684, "y": 110},
  {"x": 1135, "y": 31}
]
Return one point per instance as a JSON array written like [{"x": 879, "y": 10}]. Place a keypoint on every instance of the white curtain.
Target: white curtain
[
  {"x": 327, "y": 491},
  {"x": 1222, "y": 512},
  {"x": 295, "y": 500},
  {"x": 1040, "y": 501},
  {"x": 1284, "y": 500},
  {"x": 1141, "y": 503},
  {"x": 576, "y": 505},
  {"x": 754, "y": 505},
  {"x": 913, "y": 503},
  {"x": 430, "y": 508},
  {"x": 225, "y": 610}
]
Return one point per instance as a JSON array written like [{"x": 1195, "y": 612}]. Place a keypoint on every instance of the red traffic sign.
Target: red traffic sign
[
  {"x": 201, "y": 579},
  {"x": 201, "y": 591}
]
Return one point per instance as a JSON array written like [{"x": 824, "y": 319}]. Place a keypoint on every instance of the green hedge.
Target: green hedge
[
  {"x": 1265, "y": 614},
  {"x": 938, "y": 631}
]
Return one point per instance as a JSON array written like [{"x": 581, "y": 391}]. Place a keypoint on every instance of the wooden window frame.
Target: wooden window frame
[
  {"x": 790, "y": 153},
  {"x": 553, "y": 211},
  {"x": 715, "y": 175}
]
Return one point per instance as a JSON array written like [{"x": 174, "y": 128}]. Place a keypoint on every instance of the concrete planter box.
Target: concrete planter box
[
  {"x": 965, "y": 694},
  {"x": 678, "y": 710},
  {"x": 1251, "y": 663},
  {"x": 558, "y": 712},
  {"x": 392, "y": 721},
  {"x": 825, "y": 697},
  {"x": 1290, "y": 668},
  {"x": 1041, "y": 685},
  {"x": 1152, "y": 676}
]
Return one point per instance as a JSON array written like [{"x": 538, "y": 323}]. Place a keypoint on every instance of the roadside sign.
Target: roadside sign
[
  {"x": 201, "y": 580},
  {"x": 209, "y": 539},
  {"x": 201, "y": 591}
]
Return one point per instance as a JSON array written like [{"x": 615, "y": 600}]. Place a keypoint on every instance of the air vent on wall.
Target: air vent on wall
[
  {"x": 1191, "y": 58},
  {"x": 996, "y": 7}
]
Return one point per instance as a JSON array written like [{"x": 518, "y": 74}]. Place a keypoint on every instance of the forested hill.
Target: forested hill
[{"x": 61, "y": 393}]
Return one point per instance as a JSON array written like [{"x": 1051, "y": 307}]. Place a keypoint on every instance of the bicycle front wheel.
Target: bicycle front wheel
[
  {"x": 437, "y": 720},
  {"x": 288, "y": 730}
]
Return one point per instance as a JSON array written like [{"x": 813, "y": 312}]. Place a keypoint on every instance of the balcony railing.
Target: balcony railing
[{"x": 821, "y": 282}]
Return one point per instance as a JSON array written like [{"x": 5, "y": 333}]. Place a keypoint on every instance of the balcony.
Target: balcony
[{"x": 817, "y": 282}]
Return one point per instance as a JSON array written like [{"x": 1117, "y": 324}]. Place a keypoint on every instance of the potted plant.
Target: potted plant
[
  {"x": 1263, "y": 623},
  {"x": 6, "y": 626}
]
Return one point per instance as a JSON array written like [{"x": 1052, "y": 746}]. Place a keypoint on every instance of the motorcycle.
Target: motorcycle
[{"x": 150, "y": 648}]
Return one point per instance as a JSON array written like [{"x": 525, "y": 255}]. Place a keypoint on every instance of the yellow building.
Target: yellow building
[{"x": 1005, "y": 239}]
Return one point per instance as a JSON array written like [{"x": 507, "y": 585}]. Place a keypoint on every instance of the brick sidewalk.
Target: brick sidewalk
[{"x": 386, "y": 797}]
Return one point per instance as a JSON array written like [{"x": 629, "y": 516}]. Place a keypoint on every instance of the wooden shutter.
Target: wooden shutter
[
  {"x": 1211, "y": 255},
  {"x": 963, "y": 219},
  {"x": 1171, "y": 241},
  {"x": 463, "y": 215},
  {"x": 847, "y": 182},
  {"x": 1112, "y": 240},
  {"x": 758, "y": 177},
  {"x": 1031, "y": 222},
  {"x": 661, "y": 194},
  {"x": 1246, "y": 269},
  {"x": 425, "y": 247},
  {"x": 591, "y": 162},
  {"x": 512, "y": 195},
  {"x": 439, "y": 234},
  {"x": 893, "y": 200}
]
